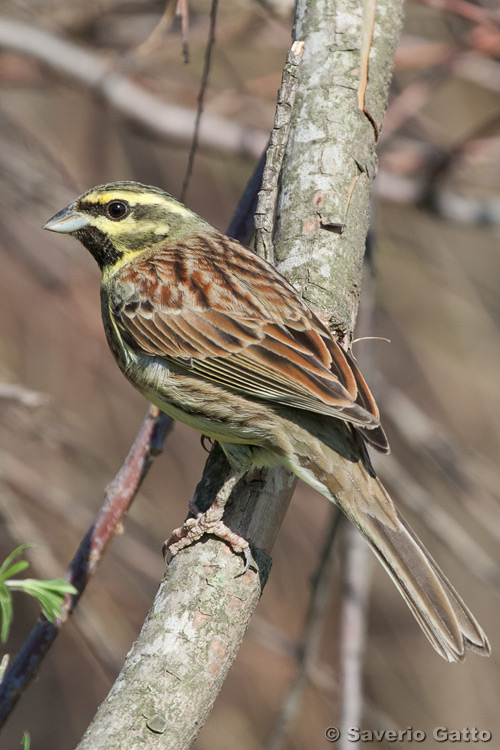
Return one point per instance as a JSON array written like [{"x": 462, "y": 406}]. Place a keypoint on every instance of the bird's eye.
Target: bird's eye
[{"x": 117, "y": 210}]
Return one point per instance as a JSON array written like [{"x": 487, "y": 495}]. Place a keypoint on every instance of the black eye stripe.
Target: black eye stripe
[
  {"x": 149, "y": 212},
  {"x": 103, "y": 209}
]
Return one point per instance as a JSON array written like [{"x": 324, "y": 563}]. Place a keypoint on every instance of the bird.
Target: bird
[{"x": 213, "y": 335}]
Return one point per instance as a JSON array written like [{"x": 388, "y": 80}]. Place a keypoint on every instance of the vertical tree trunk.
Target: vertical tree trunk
[
  {"x": 178, "y": 664},
  {"x": 324, "y": 206}
]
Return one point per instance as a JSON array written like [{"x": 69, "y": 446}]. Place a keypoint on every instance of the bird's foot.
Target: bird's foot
[{"x": 208, "y": 522}]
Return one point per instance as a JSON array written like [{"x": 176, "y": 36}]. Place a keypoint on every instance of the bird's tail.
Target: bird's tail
[
  {"x": 443, "y": 616},
  {"x": 439, "y": 610}
]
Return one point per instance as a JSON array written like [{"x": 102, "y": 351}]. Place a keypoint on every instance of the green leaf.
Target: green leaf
[
  {"x": 15, "y": 569},
  {"x": 5, "y": 612},
  {"x": 26, "y": 741},
  {"x": 8, "y": 560},
  {"x": 49, "y": 594}
]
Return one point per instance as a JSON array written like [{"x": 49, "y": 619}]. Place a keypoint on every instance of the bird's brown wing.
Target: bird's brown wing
[{"x": 217, "y": 309}]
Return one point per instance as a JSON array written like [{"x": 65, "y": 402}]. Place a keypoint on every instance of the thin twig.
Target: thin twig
[
  {"x": 355, "y": 592},
  {"x": 119, "y": 496},
  {"x": 201, "y": 97},
  {"x": 313, "y": 628},
  {"x": 124, "y": 95},
  {"x": 182, "y": 10},
  {"x": 266, "y": 202},
  {"x": 19, "y": 480},
  {"x": 156, "y": 36}
]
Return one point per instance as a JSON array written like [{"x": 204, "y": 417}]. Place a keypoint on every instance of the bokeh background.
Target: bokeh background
[{"x": 67, "y": 416}]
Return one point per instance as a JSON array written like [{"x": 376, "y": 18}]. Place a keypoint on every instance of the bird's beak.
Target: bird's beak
[{"x": 67, "y": 221}]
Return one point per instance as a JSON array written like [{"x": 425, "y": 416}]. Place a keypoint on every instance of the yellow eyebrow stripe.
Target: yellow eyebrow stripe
[{"x": 137, "y": 199}]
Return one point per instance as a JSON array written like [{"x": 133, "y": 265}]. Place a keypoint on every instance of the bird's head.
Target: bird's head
[{"x": 121, "y": 220}]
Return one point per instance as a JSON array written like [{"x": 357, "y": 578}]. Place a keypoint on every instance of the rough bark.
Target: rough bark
[
  {"x": 324, "y": 204},
  {"x": 175, "y": 669},
  {"x": 194, "y": 628}
]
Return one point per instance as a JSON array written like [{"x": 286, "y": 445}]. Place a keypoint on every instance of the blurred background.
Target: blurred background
[{"x": 68, "y": 417}]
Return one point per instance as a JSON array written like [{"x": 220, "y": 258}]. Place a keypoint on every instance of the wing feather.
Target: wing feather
[{"x": 221, "y": 312}]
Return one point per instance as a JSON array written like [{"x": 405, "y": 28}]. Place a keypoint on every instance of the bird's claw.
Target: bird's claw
[
  {"x": 247, "y": 556},
  {"x": 208, "y": 522}
]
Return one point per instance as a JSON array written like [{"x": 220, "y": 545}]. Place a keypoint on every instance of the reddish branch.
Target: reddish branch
[{"x": 118, "y": 498}]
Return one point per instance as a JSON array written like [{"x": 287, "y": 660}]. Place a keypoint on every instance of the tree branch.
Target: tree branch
[
  {"x": 324, "y": 205},
  {"x": 176, "y": 667},
  {"x": 168, "y": 121},
  {"x": 119, "y": 496},
  {"x": 309, "y": 647},
  {"x": 191, "y": 636},
  {"x": 356, "y": 580},
  {"x": 268, "y": 193}
]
